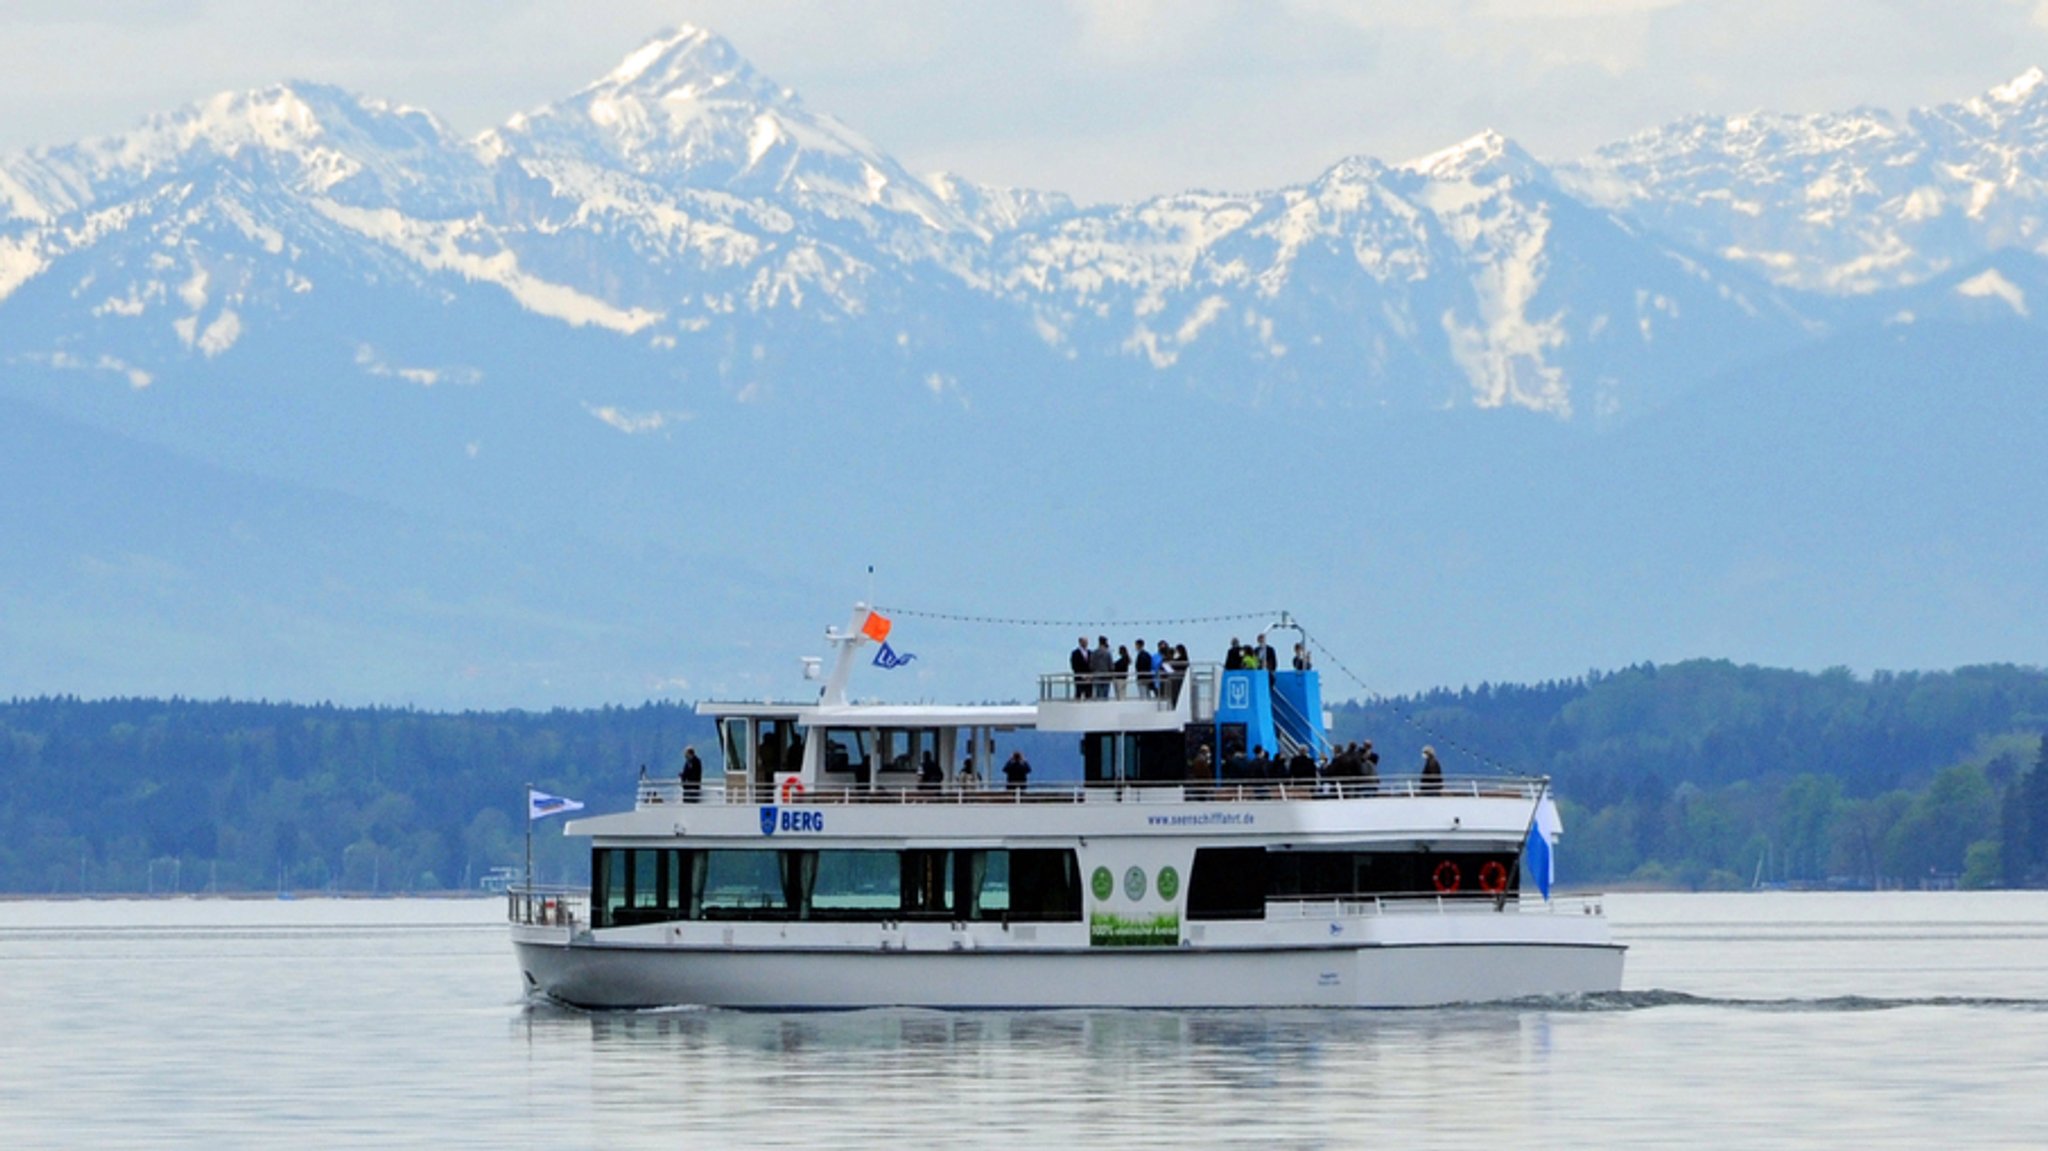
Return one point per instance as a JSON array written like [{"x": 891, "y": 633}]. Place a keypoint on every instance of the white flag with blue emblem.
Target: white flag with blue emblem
[
  {"x": 540, "y": 805},
  {"x": 888, "y": 660}
]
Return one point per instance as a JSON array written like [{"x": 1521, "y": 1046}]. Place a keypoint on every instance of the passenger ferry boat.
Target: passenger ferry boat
[{"x": 821, "y": 869}]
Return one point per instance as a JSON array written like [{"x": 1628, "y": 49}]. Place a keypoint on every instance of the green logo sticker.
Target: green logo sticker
[
  {"x": 1134, "y": 884},
  {"x": 1103, "y": 883},
  {"x": 1169, "y": 883}
]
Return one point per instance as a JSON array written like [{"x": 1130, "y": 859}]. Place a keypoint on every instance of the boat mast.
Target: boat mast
[{"x": 848, "y": 642}]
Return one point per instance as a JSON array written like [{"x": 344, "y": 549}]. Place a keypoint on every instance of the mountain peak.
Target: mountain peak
[
  {"x": 690, "y": 63},
  {"x": 1488, "y": 155},
  {"x": 2020, "y": 88}
]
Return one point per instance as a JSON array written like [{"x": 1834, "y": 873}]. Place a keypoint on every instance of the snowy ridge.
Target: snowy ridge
[
  {"x": 691, "y": 206},
  {"x": 1847, "y": 202}
]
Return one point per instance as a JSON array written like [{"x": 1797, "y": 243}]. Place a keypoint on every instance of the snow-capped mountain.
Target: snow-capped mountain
[
  {"x": 1465, "y": 278},
  {"x": 1842, "y": 202},
  {"x": 709, "y": 346},
  {"x": 684, "y": 200}
]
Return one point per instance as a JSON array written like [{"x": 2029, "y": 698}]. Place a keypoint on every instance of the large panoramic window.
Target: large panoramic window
[
  {"x": 1237, "y": 882},
  {"x": 634, "y": 886}
]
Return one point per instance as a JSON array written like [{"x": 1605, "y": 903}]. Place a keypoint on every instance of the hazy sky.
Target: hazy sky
[{"x": 1104, "y": 99}]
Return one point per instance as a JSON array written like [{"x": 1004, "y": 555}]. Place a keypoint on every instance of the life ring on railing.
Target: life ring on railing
[
  {"x": 792, "y": 789},
  {"x": 1446, "y": 877},
  {"x": 1493, "y": 877}
]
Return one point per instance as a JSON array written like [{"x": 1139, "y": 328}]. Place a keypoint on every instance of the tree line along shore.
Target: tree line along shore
[{"x": 1694, "y": 775}]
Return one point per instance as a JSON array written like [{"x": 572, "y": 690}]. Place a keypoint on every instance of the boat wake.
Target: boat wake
[{"x": 1658, "y": 998}]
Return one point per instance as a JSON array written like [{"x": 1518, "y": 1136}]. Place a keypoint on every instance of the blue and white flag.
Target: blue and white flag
[
  {"x": 1537, "y": 858},
  {"x": 540, "y": 805},
  {"x": 888, "y": 660}
]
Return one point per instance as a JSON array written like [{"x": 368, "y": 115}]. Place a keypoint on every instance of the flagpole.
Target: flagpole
[{"x": 529, "y": 840}]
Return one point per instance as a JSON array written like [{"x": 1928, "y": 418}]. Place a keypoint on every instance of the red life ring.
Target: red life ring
[
  {"x": 792, "y": 789},
  {"x": 1446, "y": 877},
  {"x": 1493, "y": 877}
]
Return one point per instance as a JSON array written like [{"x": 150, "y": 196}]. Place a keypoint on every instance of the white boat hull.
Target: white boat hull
[{"x": 1376, "y": 975}]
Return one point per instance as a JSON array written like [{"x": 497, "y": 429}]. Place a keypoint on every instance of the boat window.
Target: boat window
[
  {"x": 641, "y": 885},
  {"x": 903, "y": 748},
  {"x": 1155, "y": 757},
  {"x": 1236, "y": 882},
  {"x": 1227, "y": 883},
  {"x": 846, "y": 750},
  {"x": 779, "y": 746},
  {"x": 744, "y": 884},
  {"x": 1098, "y": 757},
  {"x": 988, "y": 894},
  {"x": 1045, "y": 886},
  {"x": 633, "y": 885},
  {"x": 857, "y": 885},
  {"x": 737, "y": 741},
  {"x": 928, "y": 884}
]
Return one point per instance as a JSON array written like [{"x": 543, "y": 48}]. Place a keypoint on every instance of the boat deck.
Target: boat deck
[{"x": 656, "y": 794}]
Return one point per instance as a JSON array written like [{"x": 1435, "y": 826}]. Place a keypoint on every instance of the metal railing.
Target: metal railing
[
  {"x": 1109, "y": 687},
  {"x": 1355, "y": 907},
  {"x": 663, "y": 794},
  {"x": 548, "y": 906}
]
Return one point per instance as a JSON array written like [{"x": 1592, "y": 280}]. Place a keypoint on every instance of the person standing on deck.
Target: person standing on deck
[
  {"x": 1077, "y": 662},
  {"x": 1101, "y": 665},
  {"x": 1017, "y": 772},
  {"x": 1432, "y": 773},
  {"x": 1141, "y": 665},
  {"x": 692, "y": 776},
  {"x": 1122, "y": 669}
]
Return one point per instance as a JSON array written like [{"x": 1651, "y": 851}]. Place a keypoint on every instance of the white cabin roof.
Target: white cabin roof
[{"x": 1008, "y": 715}]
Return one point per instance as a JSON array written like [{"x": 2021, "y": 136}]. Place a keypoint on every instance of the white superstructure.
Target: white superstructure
[{"x": 817, "y": 866}]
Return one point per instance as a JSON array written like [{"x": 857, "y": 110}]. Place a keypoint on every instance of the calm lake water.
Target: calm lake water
[{"x": 1749, "y": 1021}]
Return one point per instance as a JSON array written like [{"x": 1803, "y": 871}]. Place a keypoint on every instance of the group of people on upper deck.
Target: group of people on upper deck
[
  {"x": 1158, "y": 673},
  {"x": 1154, "y": 673},
  {"x": 1260, "y": 654}
]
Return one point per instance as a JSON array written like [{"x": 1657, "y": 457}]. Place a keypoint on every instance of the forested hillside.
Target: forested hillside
[
  {"x": 1695, "y": 774},
  {"x": 1706, "y": 773},
  {"x": 156, "y": 795}
]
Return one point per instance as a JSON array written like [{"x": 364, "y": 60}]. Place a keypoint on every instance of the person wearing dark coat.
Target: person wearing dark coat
[
  {"x": 1141, "y": 666},
  {"x": 692, "y": 776},
  {"x": 1432, "y": 773},
  {"x": 1077, "y": 662},
  {"x": 1016, "y": 772}
]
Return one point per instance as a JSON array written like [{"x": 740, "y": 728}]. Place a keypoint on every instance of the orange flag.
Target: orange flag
[{"x": 877, "y": 627}]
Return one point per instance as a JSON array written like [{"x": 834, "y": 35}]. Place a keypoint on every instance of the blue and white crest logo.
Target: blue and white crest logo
[
  {"x": 768, "y": 821},
  {"x": 1240, "y": 695}
]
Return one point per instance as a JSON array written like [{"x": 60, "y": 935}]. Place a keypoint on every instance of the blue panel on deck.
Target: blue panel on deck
[
  {"x": 1298, "y": 707},
  {"x": 1246, "y": 698}
]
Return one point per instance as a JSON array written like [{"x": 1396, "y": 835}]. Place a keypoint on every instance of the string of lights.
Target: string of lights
[
  {"x": 1435, "y": 736},
  {"x": 1097, "y": 624}
]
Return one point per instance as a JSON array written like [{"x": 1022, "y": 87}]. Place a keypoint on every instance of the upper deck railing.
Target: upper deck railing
[
  {"x": 659, "y": 794},
  {"x": 1164, "y": 691}
]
